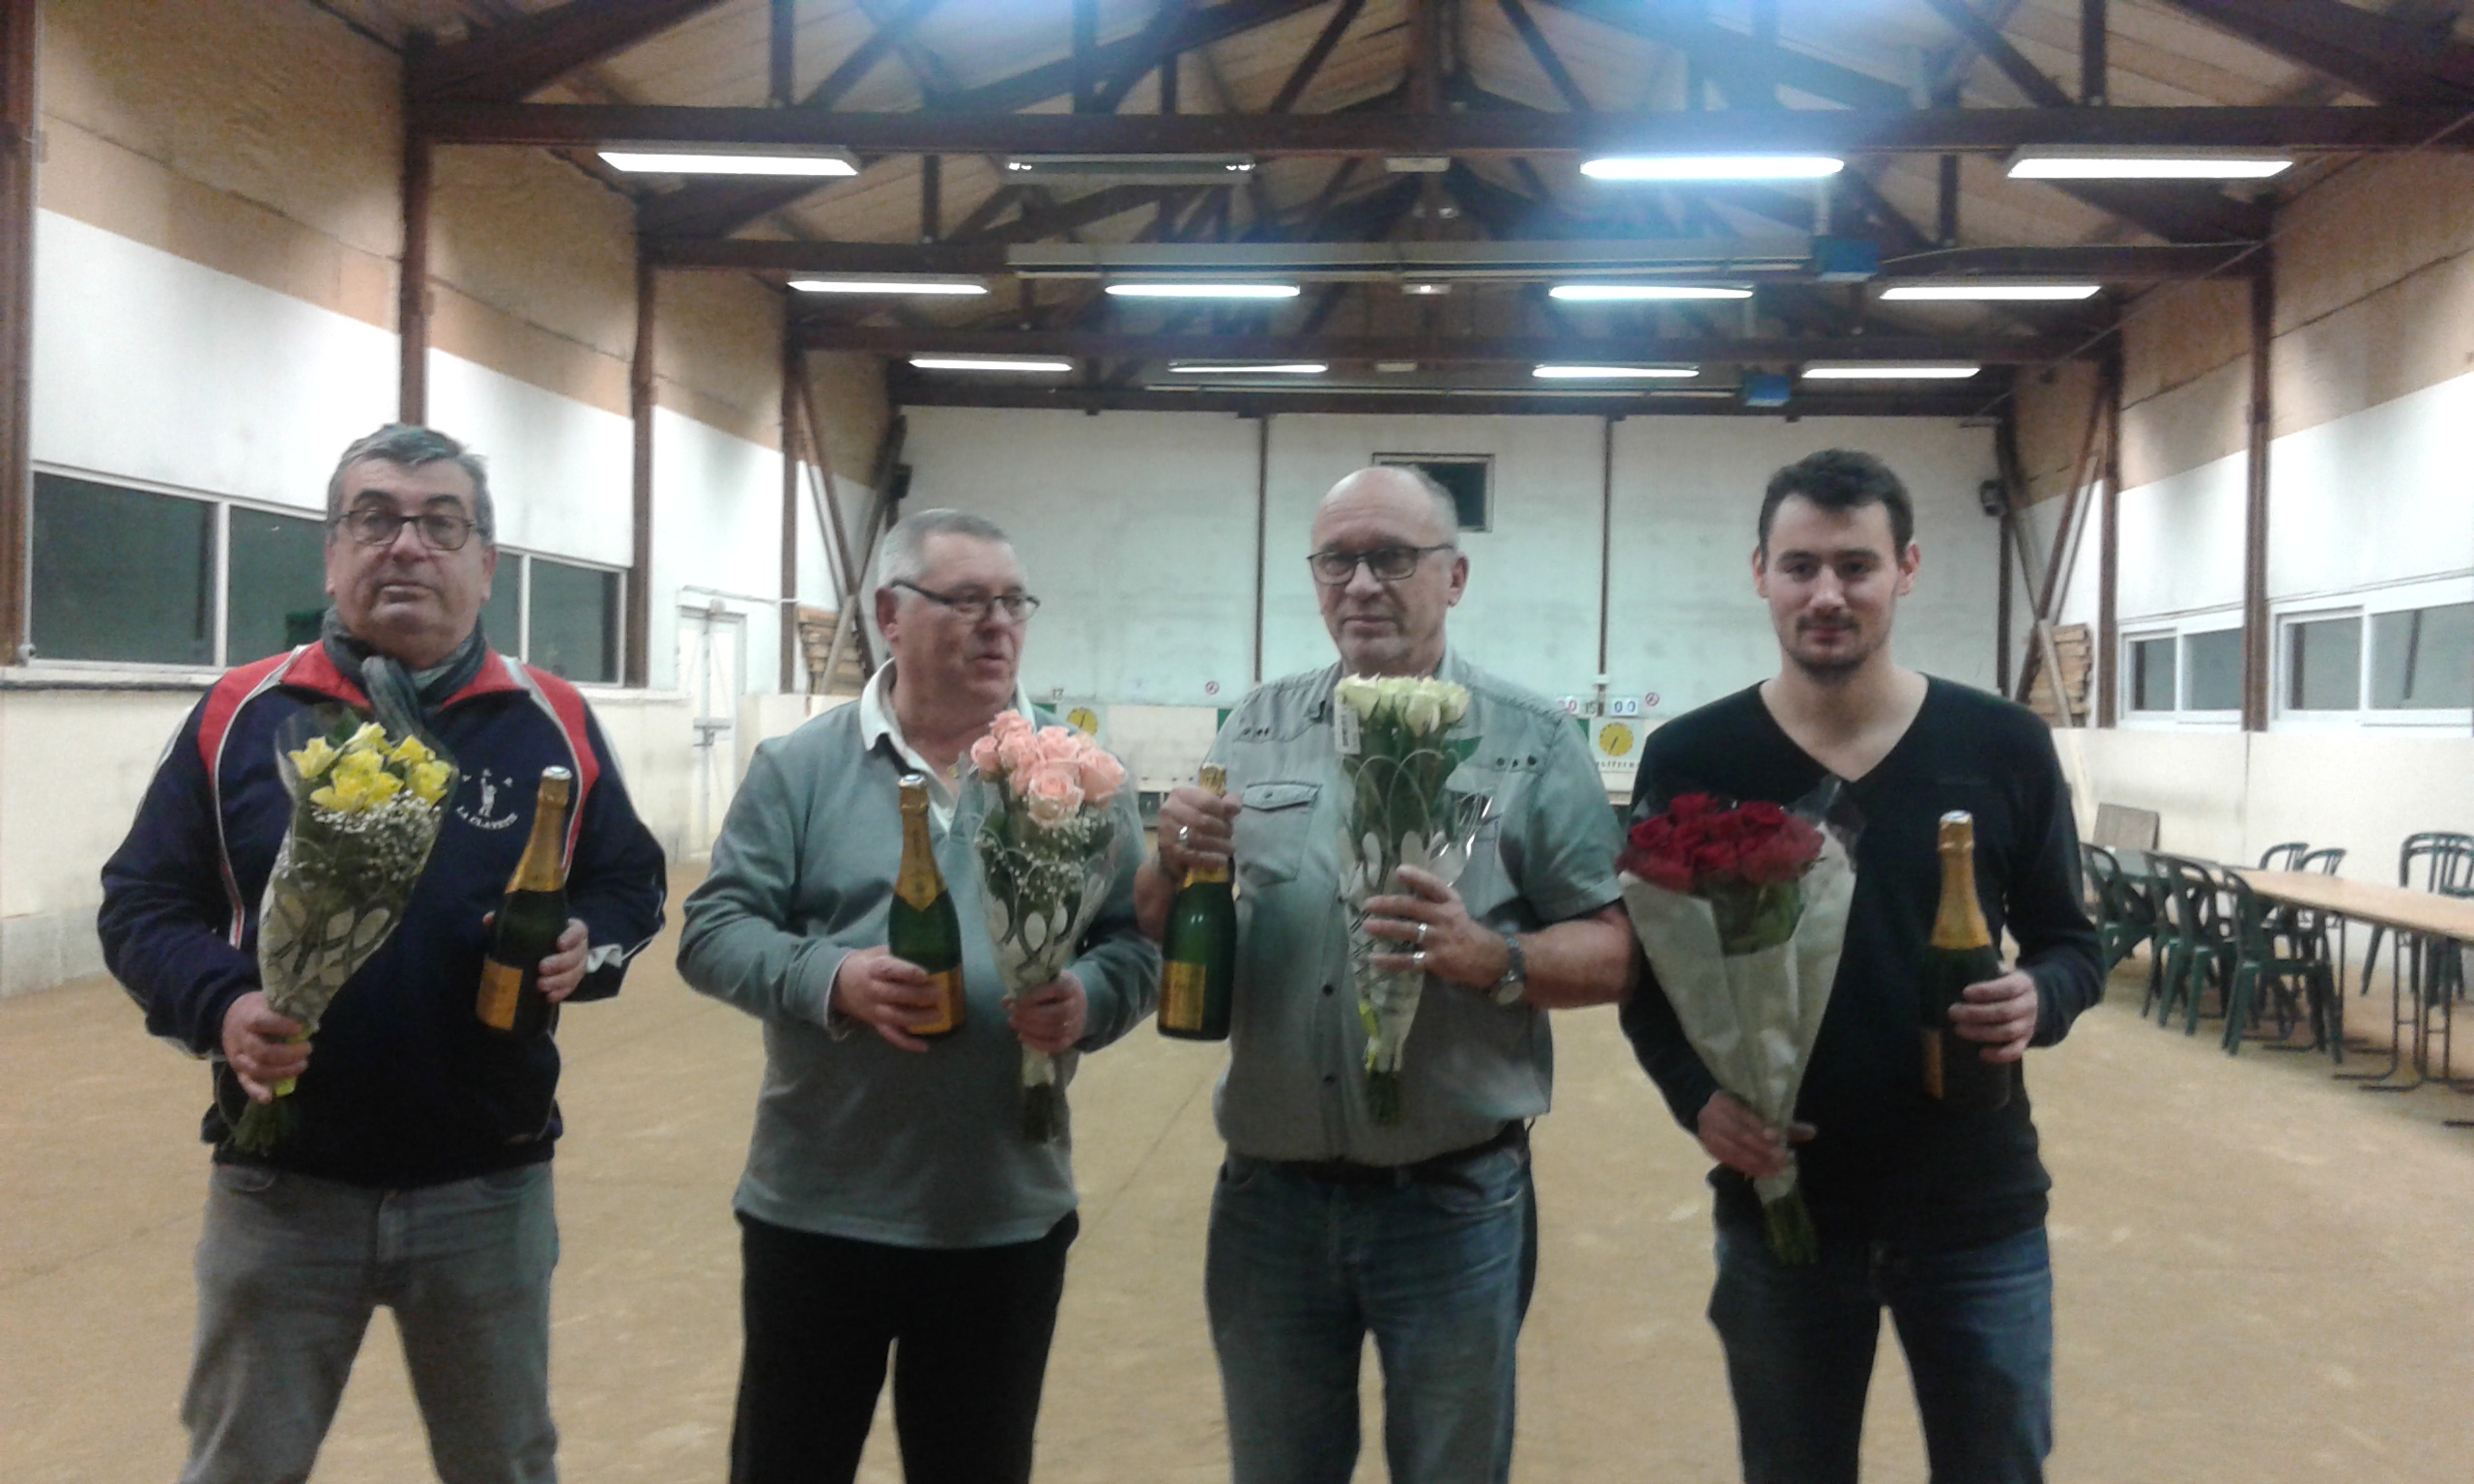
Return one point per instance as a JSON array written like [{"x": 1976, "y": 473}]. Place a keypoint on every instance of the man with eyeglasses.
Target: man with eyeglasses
[
  {"x": 890, "y": 1201},
  {"x": 1327, "y": 1226},
  {"x": 416, "y": 1171}
]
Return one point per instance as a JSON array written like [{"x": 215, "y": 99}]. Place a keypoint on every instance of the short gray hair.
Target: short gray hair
[
  {"x": 1446, "y": 509},
  {"x": 904, "y": 555},
  {"x": 412, "y": 446}
]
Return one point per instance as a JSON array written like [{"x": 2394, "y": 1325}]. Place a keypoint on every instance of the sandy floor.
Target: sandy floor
[{"x": 2264, "y": 1275}]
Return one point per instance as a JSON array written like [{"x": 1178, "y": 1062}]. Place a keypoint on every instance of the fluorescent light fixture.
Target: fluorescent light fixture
[
  {"x": 1890, "y": 370},
  {"x": 1586, "y": 373},
  {"x": 1712, "y": 167},
  {"x": 1426, "y": 288},
  {"x": 888, "y": 285},
  {"x": 1588, "y": 293},
  {"x": 2115, "y": 162},
  {"x": 1416, "y": 165},
  {"x": 1247, "y": 368},
  {"x": 1202, "y": 290},
  {"x": 990, "y": 363},
  {"x": 734, "y": 160},
  {"x": 1964, "y": 290},
  {"x": 1394, "y": 367},
  {"x": 1129, "y": 169}
]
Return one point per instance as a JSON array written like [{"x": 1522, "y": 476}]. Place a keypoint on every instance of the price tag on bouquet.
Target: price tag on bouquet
[{"x": 1348, "y": 731}]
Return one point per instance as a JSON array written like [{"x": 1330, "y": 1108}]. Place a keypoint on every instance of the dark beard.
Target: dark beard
[{"x": 1833, "y": 673}]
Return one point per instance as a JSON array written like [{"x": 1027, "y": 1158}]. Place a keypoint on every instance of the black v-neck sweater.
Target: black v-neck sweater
[{"x": 1888, "y": 1163}]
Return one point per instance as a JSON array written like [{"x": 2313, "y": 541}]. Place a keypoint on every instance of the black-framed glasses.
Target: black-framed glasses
[
  {"x": 1388, "y": 563},
  {"x": 440, "y": 531},
  {"x": 972, "y": 607}
]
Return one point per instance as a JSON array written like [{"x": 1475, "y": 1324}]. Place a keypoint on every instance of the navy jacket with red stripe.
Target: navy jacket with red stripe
[{"x": 404, "y": 1085}]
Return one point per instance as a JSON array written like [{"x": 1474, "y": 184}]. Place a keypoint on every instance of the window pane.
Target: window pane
[
  {"x": 122, "y": 574},
  {"x": 575, "y": 621},
  {"x": 2151, "y": 675},
  {"x": 276, "y": 591},
  {"x": 2423, "y": 660},
  {"x": 1462, "y": 475},
  {"x": 2323, "y": 666},
  {"x": 2212, "y": 670},
  {"x": 499, "y": 616}
]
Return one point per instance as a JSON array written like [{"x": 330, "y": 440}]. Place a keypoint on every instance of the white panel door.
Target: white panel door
[{"x": 712, "y": 660}]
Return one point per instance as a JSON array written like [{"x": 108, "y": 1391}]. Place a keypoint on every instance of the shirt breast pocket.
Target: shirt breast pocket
[{"x": 1271, "y": 831}]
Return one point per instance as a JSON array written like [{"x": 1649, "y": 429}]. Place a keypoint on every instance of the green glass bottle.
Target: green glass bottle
[
  {"x": 1198, "y": 954},
  {"x": 529, "y": 920},
  {"x": 922, "y": 927},
  {"x": 1961, "y": 953}
]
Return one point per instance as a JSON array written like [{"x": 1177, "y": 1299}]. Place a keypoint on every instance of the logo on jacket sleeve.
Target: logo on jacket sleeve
[{"x": 489, "y": 801}]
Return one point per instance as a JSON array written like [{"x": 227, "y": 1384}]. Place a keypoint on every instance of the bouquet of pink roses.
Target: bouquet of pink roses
[{"x": 1048, "y": 850}]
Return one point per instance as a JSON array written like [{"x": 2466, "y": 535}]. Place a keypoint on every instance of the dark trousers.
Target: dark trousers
[
  {"x": 969, "y": 1328},
  {"x": 1976, "y": 1324}
]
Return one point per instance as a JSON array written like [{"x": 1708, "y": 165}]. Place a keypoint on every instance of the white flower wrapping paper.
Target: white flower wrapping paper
[{"x": 1752, "y": 1018}]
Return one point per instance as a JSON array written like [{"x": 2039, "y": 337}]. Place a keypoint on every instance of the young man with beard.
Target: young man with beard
[{"x": 1938, "y": 1215}]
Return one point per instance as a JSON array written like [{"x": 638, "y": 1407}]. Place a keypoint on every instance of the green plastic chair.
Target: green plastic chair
[
  {"x": 2201, "y": 949},
  {"x": 2124, "y": 915},
  {"x": 2259, "y": 963}
]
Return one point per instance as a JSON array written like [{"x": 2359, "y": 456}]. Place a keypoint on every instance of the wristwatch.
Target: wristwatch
[{"x": 1514, "y": 983}]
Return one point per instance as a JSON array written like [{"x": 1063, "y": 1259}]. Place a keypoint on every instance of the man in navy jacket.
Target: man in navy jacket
[{"x": 416, "y": 1170}]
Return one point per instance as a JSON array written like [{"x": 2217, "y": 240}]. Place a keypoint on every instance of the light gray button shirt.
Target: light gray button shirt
[{"x": 1295, "y": 1087}]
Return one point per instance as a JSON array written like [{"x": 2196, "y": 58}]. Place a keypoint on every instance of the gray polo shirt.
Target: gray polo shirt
[
  {"x": 853, "y": 1136},
  {"x": 1295, "y": 1084}
]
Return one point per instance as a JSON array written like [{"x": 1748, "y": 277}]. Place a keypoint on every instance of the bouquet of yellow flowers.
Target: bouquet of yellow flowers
[{"x": 365, "y": 809}]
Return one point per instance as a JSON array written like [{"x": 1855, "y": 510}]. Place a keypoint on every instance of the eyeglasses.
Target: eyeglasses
[
  {"x": 972, "y": 607},
  {"x": 1388, "y": 563},
  {"x": 439, "y": 532}
]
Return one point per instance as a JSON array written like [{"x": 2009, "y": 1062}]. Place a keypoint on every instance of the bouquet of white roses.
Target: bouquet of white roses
[
  {"x": 366, "y": 811},
  {"x": 1048, "y": 850},
  {"x": 1393, "y": 744}
]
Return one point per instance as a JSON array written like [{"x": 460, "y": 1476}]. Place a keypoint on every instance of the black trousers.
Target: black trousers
[{"x": 969, "y": 1328}]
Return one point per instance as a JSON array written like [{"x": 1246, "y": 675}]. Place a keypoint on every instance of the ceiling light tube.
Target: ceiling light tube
[
  {"x": 990, "y": 363},
  {"x": 1890, "y": 370},
  {"x": 1712, "y": 167},
  {"x": 1247, "y": 368},
  {"x": 1981, "y": 292},
  {"x": 1591, "y": 373},
  {"x": 888, "y": 285},
  {"x": 1589, "y": 293},
  {"x": 2117, "y": 162},
  {"x": 1202, "y": 290},
  {"x": 734, "y": 160}
]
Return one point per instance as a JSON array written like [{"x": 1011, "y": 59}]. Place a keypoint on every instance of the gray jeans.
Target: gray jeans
[{"x": 288, "y": 1271}]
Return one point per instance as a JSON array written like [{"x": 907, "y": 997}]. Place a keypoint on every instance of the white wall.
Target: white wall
[
  {"x": 1137, "y": 529},
  {"x": 1683, "y": 621},
  {"x": 154, "y": 369}
]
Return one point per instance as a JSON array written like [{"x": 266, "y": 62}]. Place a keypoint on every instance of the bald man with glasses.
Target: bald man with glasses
[
  {"x": 890, "y": 1203},
  {"x": 1328, "y": 1226}
]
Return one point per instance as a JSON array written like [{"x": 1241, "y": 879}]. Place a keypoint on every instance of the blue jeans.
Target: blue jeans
[
  {"x": 288, "y": 1271},
  {"x": 1438, "y": 1269},
  {"x": 1977, "y": 1324}
]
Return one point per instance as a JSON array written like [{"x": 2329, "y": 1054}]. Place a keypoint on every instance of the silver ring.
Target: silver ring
[
  {"x": 1421, "y": 940},
  {"x": 1185, "y": 836},
  {"x": 1418, "y": 960}
]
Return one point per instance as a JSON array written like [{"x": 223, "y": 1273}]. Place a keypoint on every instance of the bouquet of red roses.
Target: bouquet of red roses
[{"x": 1742, "y": 911}]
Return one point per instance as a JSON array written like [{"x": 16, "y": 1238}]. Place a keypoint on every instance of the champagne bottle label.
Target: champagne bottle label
[
  {"x": 501, "y": 985},
  {"x": 948, "y": 984},
  {"x": 1181, "y": 995}
]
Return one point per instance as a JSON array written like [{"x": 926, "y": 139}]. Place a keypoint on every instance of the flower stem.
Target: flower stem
[
  {"x": 262, "y": 1126},
  {"x": 1383, "y": 1096},
  {"x": 1792, "y": 1237},
  {"x": 1042, "y": 1113}
]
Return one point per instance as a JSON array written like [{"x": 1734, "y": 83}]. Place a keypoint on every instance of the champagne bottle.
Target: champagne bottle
[
  {"x": 1198, "y": 957},
  {"x": 529, "y": 920},
  {"x": 922, "y": 927},
  {"x": 1961, "y": 953}
]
